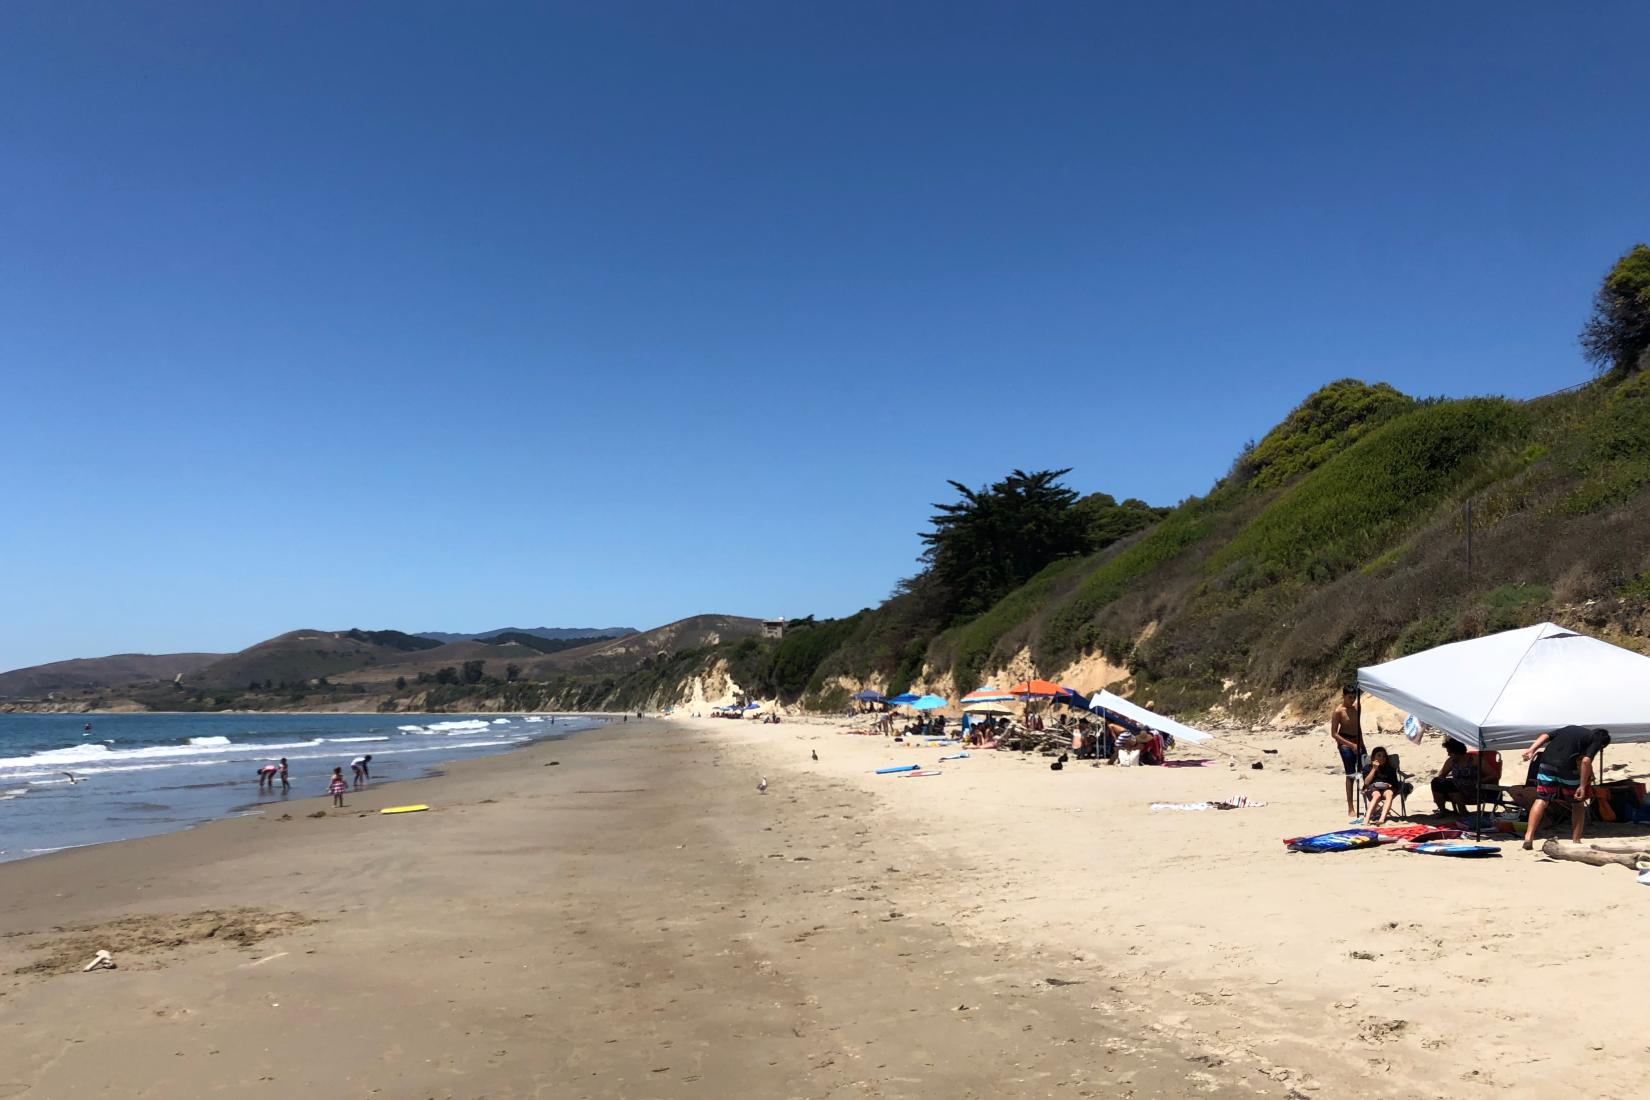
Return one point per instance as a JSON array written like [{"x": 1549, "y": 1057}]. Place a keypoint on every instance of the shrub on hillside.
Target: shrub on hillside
[
  {"x": 1320, "y": 427},
  {"x": 1616, "y": 459},
  {"x": 971, "y": 646}
]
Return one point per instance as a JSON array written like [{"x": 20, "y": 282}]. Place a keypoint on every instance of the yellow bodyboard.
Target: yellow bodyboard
[{"x": 402, "y": 809}]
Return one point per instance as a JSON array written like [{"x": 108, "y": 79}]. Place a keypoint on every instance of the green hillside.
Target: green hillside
[{"x": 1338, "y": 539}]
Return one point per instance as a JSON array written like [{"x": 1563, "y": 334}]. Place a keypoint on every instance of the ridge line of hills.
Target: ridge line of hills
[{"x": 1337, "y": 539}]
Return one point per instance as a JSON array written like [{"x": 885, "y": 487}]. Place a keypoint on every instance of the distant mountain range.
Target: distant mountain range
[
  {"x": 100, "y": 672},
  {"x": 550, "y": 633},
  {"x": 284, "y": 669}
]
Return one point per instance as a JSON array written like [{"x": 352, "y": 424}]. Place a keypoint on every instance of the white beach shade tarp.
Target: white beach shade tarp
[
  {"x": 1134, "y": 712},
  {"x": 1505, "y": 690}
]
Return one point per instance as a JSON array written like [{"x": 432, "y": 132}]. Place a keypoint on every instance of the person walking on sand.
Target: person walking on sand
[
  {"x": 1564, "y": 773},
  {"x": 338, "y": 786},
  {"x": 1346, "y": 726},
  {"x": 359, "y": 767}
]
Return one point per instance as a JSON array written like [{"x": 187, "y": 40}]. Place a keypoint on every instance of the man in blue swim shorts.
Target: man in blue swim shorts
[
  {"x": 1346, "y": 726},
  {"x": 1564, "y": 774}
]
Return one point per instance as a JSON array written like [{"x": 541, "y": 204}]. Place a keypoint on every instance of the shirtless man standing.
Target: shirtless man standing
[{"x": 1346, "y": 726}]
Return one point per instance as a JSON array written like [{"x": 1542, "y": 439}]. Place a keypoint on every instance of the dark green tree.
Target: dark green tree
[
  {"x": 1617, "y": 336},
  {"x": 472, "y": 671},
  {"x": 994, "y": 539},
  {"x": 512, "y": 673},
  {"x": 400, "y": 683},
  {"x": 1105, "y": 521}
]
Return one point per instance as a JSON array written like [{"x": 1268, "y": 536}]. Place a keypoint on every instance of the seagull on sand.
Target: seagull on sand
[
  {"x": 762, "y": 785},
  {"x": 814, "y": 753}
]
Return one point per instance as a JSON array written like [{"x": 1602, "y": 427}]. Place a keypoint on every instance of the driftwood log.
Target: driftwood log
[
  {"x": 1595, "y": 856},
  {"x": 1641, "y": 845}
]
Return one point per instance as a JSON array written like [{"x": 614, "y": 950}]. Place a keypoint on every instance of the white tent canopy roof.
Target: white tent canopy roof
[
  {"x": 1105, "y": 700},
  {"x": 1506, "y": 690}
]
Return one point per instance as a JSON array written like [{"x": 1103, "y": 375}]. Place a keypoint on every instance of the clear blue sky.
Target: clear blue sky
[{"x": 453, "y": 316}]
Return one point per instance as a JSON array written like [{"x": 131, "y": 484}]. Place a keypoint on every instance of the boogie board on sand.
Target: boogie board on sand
[
  {"x": 1454, "y": 848},
  {"x": 1343, "y": 840},
  {"x": 402, "y": 809}
]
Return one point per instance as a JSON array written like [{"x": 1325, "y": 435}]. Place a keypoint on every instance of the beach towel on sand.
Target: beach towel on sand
[
  {"x": 1415, "y": 833},
  {"x": 1341, "y": 841}
]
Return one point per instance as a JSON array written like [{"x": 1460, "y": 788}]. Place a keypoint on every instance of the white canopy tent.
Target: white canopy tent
[
  {"x": 1504, "y": 691},
  {"x": 1105, "y": 700}
]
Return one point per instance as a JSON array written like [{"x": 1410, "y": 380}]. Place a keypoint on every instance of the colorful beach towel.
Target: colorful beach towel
[{"x": 1415, "y": 834}]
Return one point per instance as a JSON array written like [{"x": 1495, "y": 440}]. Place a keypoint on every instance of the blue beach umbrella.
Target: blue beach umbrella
[
  {"x": 929, "y": 702},
  {"x": 904, "y": 700},
  {"x": 869, "y": 696}
]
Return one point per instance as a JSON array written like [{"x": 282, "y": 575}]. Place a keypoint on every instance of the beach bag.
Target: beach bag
[{"x": 1341, "y": 841}]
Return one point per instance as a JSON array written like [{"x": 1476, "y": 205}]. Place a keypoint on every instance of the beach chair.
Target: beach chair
[
  {"x": 1402, "y": 793},
  {"x": 1490, "y": 791}
]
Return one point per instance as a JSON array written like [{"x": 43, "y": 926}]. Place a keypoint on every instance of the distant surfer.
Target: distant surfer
[{"x": 359, "y": 767}]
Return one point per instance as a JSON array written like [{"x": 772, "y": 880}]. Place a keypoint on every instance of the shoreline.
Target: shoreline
[
  {"x": 197, "y": 804},
  {"x": 638, "y": 921}
]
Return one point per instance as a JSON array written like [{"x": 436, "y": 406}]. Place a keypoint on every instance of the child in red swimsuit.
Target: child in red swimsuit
[{"x": 338, "y": 786}]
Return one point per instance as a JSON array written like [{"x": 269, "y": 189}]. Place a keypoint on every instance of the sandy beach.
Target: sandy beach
[{"x": 623, "y": 915}]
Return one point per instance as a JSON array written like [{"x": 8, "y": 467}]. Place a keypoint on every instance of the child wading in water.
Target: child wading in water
[{"x": 338, "y": 786}]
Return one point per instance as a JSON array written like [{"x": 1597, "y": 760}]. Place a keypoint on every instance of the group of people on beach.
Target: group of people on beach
[
  {"x": 360, "y": 768},
  {"x": 1562, "y": 771}
]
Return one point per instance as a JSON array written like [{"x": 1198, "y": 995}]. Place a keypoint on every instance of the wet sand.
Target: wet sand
[{"x": 636, "y": 921}]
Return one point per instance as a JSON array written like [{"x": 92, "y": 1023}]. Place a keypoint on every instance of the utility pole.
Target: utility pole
[{"x": 1469, "y": 538}]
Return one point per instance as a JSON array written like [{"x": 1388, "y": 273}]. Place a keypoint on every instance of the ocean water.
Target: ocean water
[{"x": 140, "y": 774}]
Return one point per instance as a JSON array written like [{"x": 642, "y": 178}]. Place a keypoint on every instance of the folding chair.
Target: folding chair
[{"x": 1400, "y": 794}]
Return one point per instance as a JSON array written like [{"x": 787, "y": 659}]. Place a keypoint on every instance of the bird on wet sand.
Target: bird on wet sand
[
  {"x": 814, "y": 753},
  {"x": 762, "y": 785}
]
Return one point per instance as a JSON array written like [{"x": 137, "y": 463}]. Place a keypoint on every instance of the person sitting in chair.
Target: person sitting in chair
[
  {"x": 1455, "y": 779},
  {"x": 1381, "y": 785}
]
